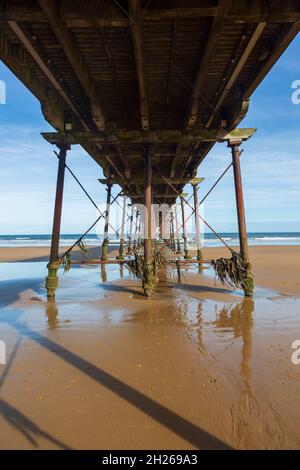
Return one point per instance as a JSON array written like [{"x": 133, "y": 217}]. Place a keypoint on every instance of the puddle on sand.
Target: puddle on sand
[{"x": 83, "y": 296}]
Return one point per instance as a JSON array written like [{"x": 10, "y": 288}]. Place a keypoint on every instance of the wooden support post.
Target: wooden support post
[
  {"x": 197, "y": 223},
  {"x": 106, "y": 224},
  {"x": 234, "y": 145},
  {"x": 54, "y": 262},
  {"x": 186, "y": 252},
  {"x": 122, "y": 237},
  {"x": 148, "y": 280}
]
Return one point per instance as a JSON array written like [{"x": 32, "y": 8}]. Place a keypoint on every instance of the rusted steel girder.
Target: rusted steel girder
[
  {"x": 197, "y": 222},
  {"x": 106, "y": 224},
  {"x": 234, "y": 145},
  {"x": 122, "y": 236},
  {"x": 149, "y": 275},
  {"x": 54, "y": 262},
  {"x": 130, "y": 231},
  {"x": 186, "y": 252}
]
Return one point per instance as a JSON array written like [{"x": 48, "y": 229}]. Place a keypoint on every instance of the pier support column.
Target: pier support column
[
  {"x": 149, "y": 275},
  {"x": 234, "y": 145},
  {"x": 136, "y": 230},
  {"x": 178, "y": 252},
  {"x": 122, "y": 237},
  {"x": 106, "y": 224},
  {"x": 172, "y": 229},
  {"x": 186, "y": 252},
  {"x": 54, "y": 262},
  {"x": 130, "y": 232},
  {"x": 160, "y": 223},
  {"x": 197, "y": 224}
]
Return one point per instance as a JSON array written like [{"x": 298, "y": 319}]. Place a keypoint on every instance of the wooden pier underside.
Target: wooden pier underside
[{"x": 143, "y": 67}]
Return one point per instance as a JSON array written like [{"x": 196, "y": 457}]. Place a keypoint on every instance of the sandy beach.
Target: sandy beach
[{"x": 196, "y": 366}]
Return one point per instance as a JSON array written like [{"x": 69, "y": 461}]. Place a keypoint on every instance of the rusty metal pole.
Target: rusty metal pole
[
  {"x": 234, "y": 145},
  {"x": 173, "y": 247},
  {"x": 106, "y": 224},
  {"x": 197, "y": 223},
  {"x": 122, "y": 237},
  {"x": 139, "y": 242},
  {"x": 160, "y": 223},
  {"x": 186, "y": 252},
  {"x": 136, "y": 230},
  {"x": 177, "y": 231},
  {"x": 248, "y": 284},
  {"x": 148, "y": 281},
  {"x": 54, "y": 262},
  {"x": 130, "y": 232}
]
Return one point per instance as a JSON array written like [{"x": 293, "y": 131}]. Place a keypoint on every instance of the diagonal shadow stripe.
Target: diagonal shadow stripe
[{"x": 183, "y": 428}]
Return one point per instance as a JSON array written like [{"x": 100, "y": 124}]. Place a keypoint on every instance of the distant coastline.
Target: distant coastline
[{"x": 210, "y": 240}]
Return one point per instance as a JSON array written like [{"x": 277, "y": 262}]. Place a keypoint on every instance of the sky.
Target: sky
[{"x": 270, "y": 164}]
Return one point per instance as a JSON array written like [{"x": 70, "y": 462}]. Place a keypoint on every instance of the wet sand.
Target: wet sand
[
  {"x": 275, "y": 267},
  {"x": 197, "y": 366}
]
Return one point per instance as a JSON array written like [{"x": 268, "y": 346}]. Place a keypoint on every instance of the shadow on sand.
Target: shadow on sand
[{"x": 177, "y": 424}]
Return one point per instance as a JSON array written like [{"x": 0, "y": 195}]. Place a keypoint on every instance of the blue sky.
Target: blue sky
[{"x": 270, "y": 164}]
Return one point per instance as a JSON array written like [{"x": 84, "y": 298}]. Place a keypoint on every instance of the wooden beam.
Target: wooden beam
[
  {"x": 173, "y": 13},
  {"x": 124, "y": 161},
  {"x": 97, "y": 22},
  {"x": 76, "y": 60},
  {"x": 216, "y": 28},
  {"x": 53, "y": 106},
  {"x": 248, "y": 18},
  {"x": 155, "y": 195},
  {"x": 138, "y": 43},
  {"x": 139, "y": 137},
  {"x": 45, "y": 69},
  {"x": 118, "y": 92},
  {"x": 93, "y": 14},
  {"x": 140, "y": 180},
  {"x": 159, "y": 154},
  {"x": 237, "y": 70},
  {"x": 177, "y": 157}
]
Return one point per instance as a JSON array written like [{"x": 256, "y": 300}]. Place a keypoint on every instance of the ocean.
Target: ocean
[{"x": 210, "y": 240}]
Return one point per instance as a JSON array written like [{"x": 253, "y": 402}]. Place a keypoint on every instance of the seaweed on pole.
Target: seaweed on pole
[
  {"x": 65, "y": 260},
  {"x": 235, "y": 272},
  {"x": 146, "y": 271}
]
